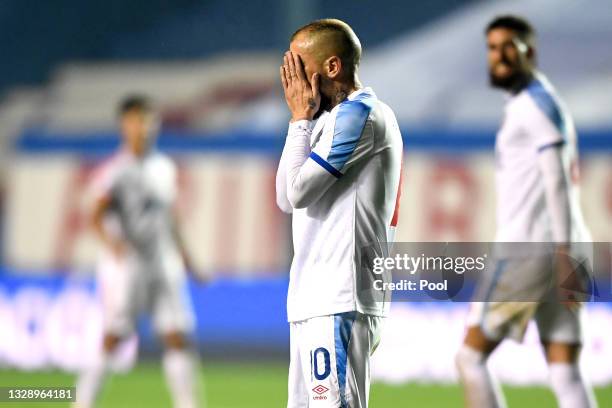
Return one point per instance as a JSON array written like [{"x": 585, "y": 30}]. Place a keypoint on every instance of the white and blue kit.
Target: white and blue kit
[
  {"x": 339, "y": 176},
  {"x": 151, "y": 275},
  {"x": 537, "y": 202}
]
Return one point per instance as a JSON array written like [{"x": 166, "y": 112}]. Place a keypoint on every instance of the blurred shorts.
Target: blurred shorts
[
  {"x": 517, "y": 291},
  {"x": 135, "y": 285}
]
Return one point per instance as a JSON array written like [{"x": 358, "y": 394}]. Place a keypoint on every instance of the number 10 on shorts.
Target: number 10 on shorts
[{"x": 320, "y": 365}]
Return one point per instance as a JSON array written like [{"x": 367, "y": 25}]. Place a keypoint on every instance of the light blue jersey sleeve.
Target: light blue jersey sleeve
[
  {"x": 548, "y": 128},
  {"x": 344, "y": 142},
  {"x": 546, "y": 123},
  {"x": 345, "y": 139}
]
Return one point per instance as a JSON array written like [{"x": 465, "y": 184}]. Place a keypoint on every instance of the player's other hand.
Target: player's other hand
[
  {"x": 117, "y": 247},
  {"x": 302, "y": 96},
  {"x": 570, "y": 285},
  {"x": 196, "y": 274},
  {"x": 199, "y": 276}
]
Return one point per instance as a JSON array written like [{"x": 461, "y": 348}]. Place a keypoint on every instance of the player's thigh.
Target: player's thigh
[
  {"x": 120, "y": 294},
  {"x": 298, "y": 396},
  {"x": 365, "y": 337},
  {"x": 500, "y": 320},
  {"x": 558, "y": 323},
  {"x": 508, "y": 297},
  {"x": 171, "y": 304}
]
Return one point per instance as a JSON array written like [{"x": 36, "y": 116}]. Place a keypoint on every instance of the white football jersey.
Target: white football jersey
[
  {"x": 142, "y": 193},
  {"x": 340, "y": 177},
  {"x": 535, "y": 120}
]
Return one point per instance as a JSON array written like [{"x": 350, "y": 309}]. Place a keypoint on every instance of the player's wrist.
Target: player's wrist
[
  {"x": 116, "y": 245},
  {"x": 298, "y": 118},
  {"x": 300, "y": 126}
]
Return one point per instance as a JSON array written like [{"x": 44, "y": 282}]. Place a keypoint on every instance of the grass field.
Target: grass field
[{"x": 234, "y": 385}]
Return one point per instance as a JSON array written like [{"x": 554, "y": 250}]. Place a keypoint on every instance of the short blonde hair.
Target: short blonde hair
[{"x": 341, "y": 35}]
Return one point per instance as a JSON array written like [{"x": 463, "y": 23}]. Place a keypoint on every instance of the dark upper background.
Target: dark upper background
[{"x": 39, "y": 35}]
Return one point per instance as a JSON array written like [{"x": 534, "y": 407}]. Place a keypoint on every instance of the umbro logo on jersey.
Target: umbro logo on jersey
[{"x": 320, "y": 389}]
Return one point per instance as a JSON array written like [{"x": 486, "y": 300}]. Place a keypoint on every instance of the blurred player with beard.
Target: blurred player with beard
[
  {"x": 537, "y": 202},
  {"x": 339, "y": 175},
  {"x": 143, "y": 262}
]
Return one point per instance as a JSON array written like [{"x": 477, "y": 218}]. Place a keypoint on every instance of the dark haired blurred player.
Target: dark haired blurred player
[
  {"x": 536, "y": 175},
  {"x": 143, "y": 259}
]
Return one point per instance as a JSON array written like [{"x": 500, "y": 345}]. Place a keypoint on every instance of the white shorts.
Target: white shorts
[
  {"x": 134, "y": 285},
  {"x": 518, "y": 292},
  {"x": 330, "y": 360}
]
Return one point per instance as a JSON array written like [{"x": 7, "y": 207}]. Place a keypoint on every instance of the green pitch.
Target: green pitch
[{"x": 261, "y": 385}]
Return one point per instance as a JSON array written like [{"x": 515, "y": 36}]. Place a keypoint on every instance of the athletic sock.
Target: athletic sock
[
  {"x": 180, "y": 370},
  {"x": 569, "y": 386},
  {"x": 481, "y": 388},
  {"x": 90, "y": 382}
]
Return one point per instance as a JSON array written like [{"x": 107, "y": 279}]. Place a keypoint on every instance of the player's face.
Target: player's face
[
  {"x": 138, "y": 128},
  {"x": 507, "y": 58}
]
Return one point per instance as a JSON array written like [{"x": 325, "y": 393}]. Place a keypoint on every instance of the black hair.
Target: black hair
[
  {"x": 141, "y": 103},
  {"x": 519, "y": 25}
]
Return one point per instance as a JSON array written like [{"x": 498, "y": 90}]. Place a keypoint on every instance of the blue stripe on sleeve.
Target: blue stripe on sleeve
[
  {"x": 549, "y": 145},
  {"x": 350, "y": 121},
  {"x": 547, "y": 103},
  {"x": 325, "y": 165},
  {"x": 343, "y": 327}
]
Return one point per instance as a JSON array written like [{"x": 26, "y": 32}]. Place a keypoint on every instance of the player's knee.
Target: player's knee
[
  {"x": 110, "y": 342},
  {"x": 477, "y": 340},
  {"x": 561, "y": 352},
  {"x": 175, "y": 340}
]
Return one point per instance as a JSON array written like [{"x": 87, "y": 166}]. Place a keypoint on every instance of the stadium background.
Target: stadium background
[{"x": 212, "y": 67}]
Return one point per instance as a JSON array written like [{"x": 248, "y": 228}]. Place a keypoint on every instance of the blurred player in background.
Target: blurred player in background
[
  {"x": 339, "y": 175},
  {"x": 536, "y": 177},
  {"x": 143, "y": 262}
]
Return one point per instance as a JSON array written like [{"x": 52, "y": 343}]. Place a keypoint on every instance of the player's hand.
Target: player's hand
[
  {"x": 117, "y": 247},
  {"x": 303, "y": 97},
  {"x": 194, "y": 273},
  {"x": 198, "y": 276},
  {"x": 570, "y": 289}
]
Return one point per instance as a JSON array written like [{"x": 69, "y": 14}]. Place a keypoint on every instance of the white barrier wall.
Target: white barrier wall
[{"x": 231, "y": 221}]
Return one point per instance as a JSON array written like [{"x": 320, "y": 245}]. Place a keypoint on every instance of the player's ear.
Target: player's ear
[
  {"x": 531, "y": 54},
  {"x": 333, "y": 66}
]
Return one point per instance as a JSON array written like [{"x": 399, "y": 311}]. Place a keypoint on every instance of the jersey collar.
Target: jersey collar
[{"x": 361, "y": 92}]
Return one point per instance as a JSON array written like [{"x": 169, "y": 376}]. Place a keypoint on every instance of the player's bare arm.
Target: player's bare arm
[
  {"x": 116, "y": 245},
  {"x": 182, "y": 248}
]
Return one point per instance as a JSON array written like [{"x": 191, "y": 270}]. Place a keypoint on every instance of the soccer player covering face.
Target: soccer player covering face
[
  {"x": 339, "y": 176},
  {"x": 537, "y": 201},
  {"x": 143, "y": 260}
]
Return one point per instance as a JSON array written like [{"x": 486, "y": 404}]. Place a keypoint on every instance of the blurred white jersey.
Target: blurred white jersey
[
  {"x": 340, "y": 176},
  {"x": 142, "y": 193},
  {"x": 535, "y": 120}
]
